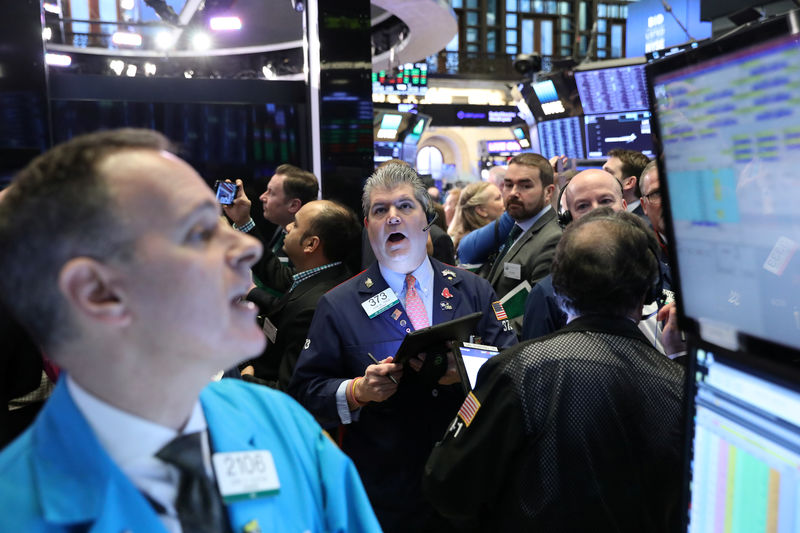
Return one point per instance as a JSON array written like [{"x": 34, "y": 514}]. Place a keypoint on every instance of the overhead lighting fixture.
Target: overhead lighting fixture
[
  {"x": 149, "y": 69},
  {"x": 269, "y": 72},
  {"x": 47, "y": 33},
  {"x": 225, "y": 23},
  {"x": 127, "y": 4},
  {"x": 57, "y": 60},
  {"x": 165, "y": 39},
  {"x": 125, "y": 38},
  {"x": 201, "y": 41},
  {"x": 116, "y": 66},
  {"x": 51, "y": 8},
  {"x": 131, "y": 70},
  {"x": 188, "y": 74}
]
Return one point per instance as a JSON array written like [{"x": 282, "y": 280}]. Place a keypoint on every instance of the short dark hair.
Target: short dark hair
[
  {"x": 338, "y": 229},
  {"x": 298, "y": 183},
  {"x": 605, "y": 264},
  {"x": 57, "y": 208},
  {"x": 633, "y": 163},
  {"x": 530, "y": 159}
]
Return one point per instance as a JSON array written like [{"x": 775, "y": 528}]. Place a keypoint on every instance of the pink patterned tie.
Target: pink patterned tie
[{"x": 415, "y": 309}]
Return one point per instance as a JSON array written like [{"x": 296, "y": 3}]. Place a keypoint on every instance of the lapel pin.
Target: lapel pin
[
  {"x": 396, "y": 314},
  {"x": 446, "y": 293},
  {"x": 368, "y": 282},
  {"x": 252, "y": 527},
  {"x": 446, "y": 305}
]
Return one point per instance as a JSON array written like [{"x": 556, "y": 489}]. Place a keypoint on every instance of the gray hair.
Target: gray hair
[
  {"x": 652, "y": 165},
  {"x": 391, "y": 176}
]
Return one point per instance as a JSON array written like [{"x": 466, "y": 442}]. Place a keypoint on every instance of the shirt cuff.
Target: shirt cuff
[
  {"x": 246, "y": 227},
  {"x": 345, "y": 415}
]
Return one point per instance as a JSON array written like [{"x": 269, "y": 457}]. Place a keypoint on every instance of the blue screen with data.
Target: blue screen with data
[
  {"x": 730, "y": 128},
  {"x": 612, "y": 90},
  {"x": 561, "y": 137}
]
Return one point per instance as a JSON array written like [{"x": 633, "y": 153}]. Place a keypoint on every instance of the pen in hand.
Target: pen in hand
[{"x": 377, "y": 363}]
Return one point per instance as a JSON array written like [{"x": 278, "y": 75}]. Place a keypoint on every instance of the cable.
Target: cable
[{"x": 668, "y": 9}]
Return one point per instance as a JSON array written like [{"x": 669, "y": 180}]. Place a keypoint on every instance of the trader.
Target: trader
[{"x": 390, "y": 428}]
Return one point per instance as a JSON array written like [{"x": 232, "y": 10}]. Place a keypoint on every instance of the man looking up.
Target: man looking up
[
  {"x": 651, "y": 204},
  {"x": 627, "y": 166},
  {"x": 134, "y": 286},
  {"x": 580, "y": 430},
  {"x": 288, "y": 189},
  {"x": 391, "y": 427},
  {"x": 317, "y": 242}
]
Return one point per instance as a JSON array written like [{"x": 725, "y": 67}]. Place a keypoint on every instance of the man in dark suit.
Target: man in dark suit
[
  {"x": 288, "y": 190},
  {"x": 317, "y": 243},
  {"x": 627, "y": 166},
  {"x": 529, "y": 248}
]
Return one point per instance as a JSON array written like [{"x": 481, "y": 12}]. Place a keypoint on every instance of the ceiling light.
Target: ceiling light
[
  {"x": 188, "y": 74},
  {"x": 131, "y": 70},
  {"x": 57, "y": 60},
  {"x": 126, "y": 38},
  {"x": 52, "y": 8},
  {"x": 225, "y": 23},
  {"x": 165, "y": 39},
  {"x": 201, "y": 41},
  {"x": 149, "y": 69},
  {"x": 116, "y": 66},
  {"x": 127, "y": 4},
  {"x": 47, "y": 33}
]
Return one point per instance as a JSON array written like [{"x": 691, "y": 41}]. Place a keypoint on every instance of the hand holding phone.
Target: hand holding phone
[{"x": 225, "y": 191}]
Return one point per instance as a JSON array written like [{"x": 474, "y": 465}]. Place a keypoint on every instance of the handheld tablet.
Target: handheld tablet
[
  {"x": 469, "y": 360},
  {"x": 424, "y": 339}
]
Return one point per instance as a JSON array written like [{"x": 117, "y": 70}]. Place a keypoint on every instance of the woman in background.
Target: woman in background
[{"x": 479, "y": 204}]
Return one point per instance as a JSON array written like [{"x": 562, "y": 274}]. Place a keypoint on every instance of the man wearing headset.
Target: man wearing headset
[
  {"x": 346, "y": 374},
  {"x": 579, "y": 430}
]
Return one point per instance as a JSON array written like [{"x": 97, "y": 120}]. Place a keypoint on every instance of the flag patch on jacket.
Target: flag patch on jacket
[
  {"x": 469, "y": 409},
  {"x": 499, "y": 312}
]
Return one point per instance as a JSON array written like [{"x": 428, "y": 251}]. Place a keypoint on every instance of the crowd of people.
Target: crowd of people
[{"x": 137, "y": 287}]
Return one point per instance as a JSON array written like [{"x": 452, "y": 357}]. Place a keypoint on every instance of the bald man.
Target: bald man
[{"x": 587, "y": 191}]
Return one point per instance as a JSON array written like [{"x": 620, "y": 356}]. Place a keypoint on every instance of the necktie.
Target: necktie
[
  {"x": 199, "y": 504},
  {"x": 414, "y": 306},
  {"x": 516, "y": 231}
]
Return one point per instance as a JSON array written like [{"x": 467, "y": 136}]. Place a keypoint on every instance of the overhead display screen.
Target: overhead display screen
[
  {"x": 561, "y": 137},
  {"x": 628, "y": 131},
  {"x": 612, "y": 90}
]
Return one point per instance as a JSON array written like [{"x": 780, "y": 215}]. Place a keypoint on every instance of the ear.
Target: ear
[
  {"x": 366, "y": 222},
  {"x": 643, "y": 203},
  {"x": 481, "y": 210},
  {"x": 294, "y": 205},
  {"x": 624, "y": 205},
  {"x": 629, "y": 183},
  {"x": 548, "y": 193},
  {"x": 312, "y": 244},
  {"x": 91, "y": 291}
]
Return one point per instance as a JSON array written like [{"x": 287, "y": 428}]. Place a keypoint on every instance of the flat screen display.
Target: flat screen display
[
  {"x": 562, "y": 136},
  {"x": 628, "y": 131},
  {"x": 612, "y": 90},
  {"x": 474, "y": 359},
  {"x": 730, "y": 126}
]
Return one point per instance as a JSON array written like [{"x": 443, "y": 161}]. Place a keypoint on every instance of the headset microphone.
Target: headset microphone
[{"x": 431, "y": 220}]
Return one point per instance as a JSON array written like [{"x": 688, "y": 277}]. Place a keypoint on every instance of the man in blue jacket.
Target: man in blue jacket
[
  {"x": 392, "y": 416},
  {"x": 116, "y": 259}
]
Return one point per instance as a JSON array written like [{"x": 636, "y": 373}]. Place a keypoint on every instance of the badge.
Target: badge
[
  {"x": 448, "y": 274},
  {"x": 252, "y": 527},
  {"x": 512, "y": 270},
  {"x": 245, "y": 475},
  {"x": 380, "y": 303},
  {"x": 446, "y": 293},
  {"x": 270, "y": 330},
  {"x": 402, "y": 322},
  {"x": 397, "y": 314},
  {"x": 368, "y": 283},
  {"x": 446, "y": 306}
]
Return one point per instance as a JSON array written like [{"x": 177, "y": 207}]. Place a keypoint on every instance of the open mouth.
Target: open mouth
[{"x": 396, "y": 237}]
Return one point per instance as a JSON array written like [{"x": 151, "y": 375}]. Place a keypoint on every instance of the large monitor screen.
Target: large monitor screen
[
  {"x": 612, "y": 90},
  {"x": 745, "y": 462},
  {"x": 411, "y": 78},
  {"x": 730, "y": 125},
  {"x": 561, "y": 137},
  {"x": 628, "y": 131}
]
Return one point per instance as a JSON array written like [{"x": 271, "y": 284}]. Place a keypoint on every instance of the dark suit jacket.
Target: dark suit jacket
[
  {"x": 292, "y": 316},
  {"x": 270, "y": 270}
]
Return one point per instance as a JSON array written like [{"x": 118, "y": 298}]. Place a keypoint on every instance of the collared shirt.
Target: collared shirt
[
  {"x": 633, "y": 205},
  {"x": 300, "y": 277},
  {"x": 424, "y": 284},
  {"x": 132, "y": 443},
  {"x": 527, "y": 224}
]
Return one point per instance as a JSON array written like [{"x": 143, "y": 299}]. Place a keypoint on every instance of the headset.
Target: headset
[
  {"x": 431, "y": 216},
  {"x": 565, "y": 217}
]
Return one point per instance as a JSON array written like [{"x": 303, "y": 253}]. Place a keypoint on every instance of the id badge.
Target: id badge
[
  {"x": 380, "y": 303},
  {"x": 512, "y": 270},
  {"x": 270, "y": 330},
  {"x": 245, "y": 475}
]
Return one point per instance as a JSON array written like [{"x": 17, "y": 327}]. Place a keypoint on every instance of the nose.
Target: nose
[
  {"x": 244, "y": 250},
  {"x": 392, "y": 216}
]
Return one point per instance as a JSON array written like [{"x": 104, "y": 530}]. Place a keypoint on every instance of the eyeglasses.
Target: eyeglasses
[{"x": 653, "y": 197}]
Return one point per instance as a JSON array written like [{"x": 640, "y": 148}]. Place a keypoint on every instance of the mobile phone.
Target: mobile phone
[
  {"x": 470, "y": 358},
  {"x": 226, "y": 191}
]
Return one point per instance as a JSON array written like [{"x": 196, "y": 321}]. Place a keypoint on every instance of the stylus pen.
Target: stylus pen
[{"x": 377, "y": 363}]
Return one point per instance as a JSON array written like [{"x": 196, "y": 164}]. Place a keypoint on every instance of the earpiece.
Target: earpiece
[{"x": 564, "y": 217}]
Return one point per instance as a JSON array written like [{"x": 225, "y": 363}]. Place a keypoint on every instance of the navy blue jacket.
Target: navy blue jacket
[{"x": 389, "y": 441}]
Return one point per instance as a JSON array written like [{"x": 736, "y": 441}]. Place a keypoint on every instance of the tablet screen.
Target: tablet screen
[{"x": 473, "y": 361}]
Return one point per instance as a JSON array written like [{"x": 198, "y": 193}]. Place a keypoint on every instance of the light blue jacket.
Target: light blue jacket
[{"x": 56, "y": 476}]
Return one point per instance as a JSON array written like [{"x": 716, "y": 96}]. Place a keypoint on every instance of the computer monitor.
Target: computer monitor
[
  {"x": 728, "y": 116},
  {"x": 745, "y": 450},
  {"x": 612, "y": 90},
  {"x": 386, "y": 150},
  {"x": 629, "y": 131},
  {"x": 561, "y": 137}
]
